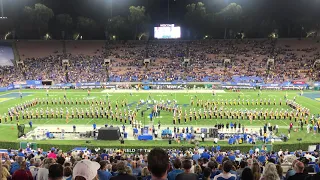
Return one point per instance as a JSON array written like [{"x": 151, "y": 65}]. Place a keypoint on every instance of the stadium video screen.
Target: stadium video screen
[{"x": 167, "y": 31}]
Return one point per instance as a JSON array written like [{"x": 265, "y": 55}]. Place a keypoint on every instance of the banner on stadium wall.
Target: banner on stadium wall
[
  {"x": 3, "y": 89},
  {"x": 238, "y": 84},
  {"x": 244, "y": 84},
  {"x": 270, "y": 85},
  {"x": 63, "y": 85},
  {"x": 178, "y": 82},
  {"x": 316, "y": 84},
  {"x": 146, "y": 87},
  {"x": 163, "y": 83},
  {"x": 286, "y": 84},
  {"x": 19, "y": 82},
  {"x": 18, "y": 86},
  {"x": 34, "y": 82},
  {"x": 88, "y": 84},
  {"x": 10, "y": 87},
  {"x": 298, "y": 82},
  {"x": 289, "y": 84}
]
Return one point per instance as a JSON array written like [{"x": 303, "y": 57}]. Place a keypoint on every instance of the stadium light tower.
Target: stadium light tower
[
  {"x": 111, "y": 8},
  {"x": 1, "y": 8},
  {"x": 169, "y": 9}
]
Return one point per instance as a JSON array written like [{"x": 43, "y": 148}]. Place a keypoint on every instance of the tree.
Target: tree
[
  {"x": 116, "y": 26},
  {"x": 86, "y": 25},
  {"x": 231, "y": 15},
  {"x": 138, "y": 19},
  {"x": 196, "y": 18},
  {"x": 38, "y": 16}
]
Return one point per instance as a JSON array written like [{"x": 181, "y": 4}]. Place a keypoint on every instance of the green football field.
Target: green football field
[{"x": 8, "y": 130}]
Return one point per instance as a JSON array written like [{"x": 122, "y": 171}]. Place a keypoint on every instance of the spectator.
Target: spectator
[
  {"x": 158, "y": 163},
  {"x": 67, "y": 173},
  {"x": 205, "y": 154},
  {"x": 16, "y": 165},
  {"x": 177, "y": 169},
  {"x": 38, "y": 155},
  {"x": 198, "y": 171},
  {"x": 122, "y": 173},
  {"x": 52, "y": 155},
  {"x": 213, "y": 166},
  {"x": 35, "y": 168},
  {"x": 136, "y": 168},
  {"x": 227, "y": 166},
  {"x": 187, "y": 175},
  {"x": 22, "y": 173},
  {"x": 128, "y": 170},
  {"x": 61, "y": 160},
  {"x": 86, "y": 170},
  {"x": 4, "y": 172},
  {"x": 243, "y": 164},
  {"x": 114, "y": 169},
  {"x": 55, "y": 172},
  {"x": 196, "y": 156},
  {"x": 44, "y": 171},
  {"x": 246, "y": 174},
  {"x": 206, "y": 174},
  {"x": 291, "y": 171},
  {"x": 298, "y": 168},
  {"x": 256, "y": 171},
  {"x": 280, "y": 171},
  {"x": 103, "y": 173},
  {"x": 270, "y": 172},
  {"x": 145, "y": 174}
]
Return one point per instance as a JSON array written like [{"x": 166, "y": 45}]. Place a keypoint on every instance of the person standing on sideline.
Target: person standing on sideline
[
  {"x": 202, "y": 137},
  {"x": 156, "y": 134},
  {"x": 94, "y": 125}
]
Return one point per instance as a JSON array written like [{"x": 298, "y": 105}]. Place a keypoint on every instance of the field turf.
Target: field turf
[{"x": 8, "y": 131}]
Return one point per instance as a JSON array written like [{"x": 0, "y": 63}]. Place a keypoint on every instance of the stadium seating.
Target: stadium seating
[{"x": 293, "y": 60}]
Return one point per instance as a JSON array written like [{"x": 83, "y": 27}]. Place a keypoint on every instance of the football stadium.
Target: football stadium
[{"x": 159, "y": 90}]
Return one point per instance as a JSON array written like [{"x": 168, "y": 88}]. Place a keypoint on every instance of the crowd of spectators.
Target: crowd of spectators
[
  {"x": 294, "y": 60},
  {"x": 159, "y": 164}
]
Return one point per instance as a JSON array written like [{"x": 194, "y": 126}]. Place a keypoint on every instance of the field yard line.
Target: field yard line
[
  {"x": 46, "y": 122},
  {"x": 69, "y": 121},
  {"x": 283, "y": 122},
  {"x": 89, "y": 121},
  {"x": 314, "y": 106},
  {"x": 5, "y": 94}
]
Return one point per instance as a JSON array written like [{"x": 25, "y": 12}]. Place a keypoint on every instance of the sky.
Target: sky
[
  {"x": 285, "y": 13},
  {"x": 158, "y": 9}
]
